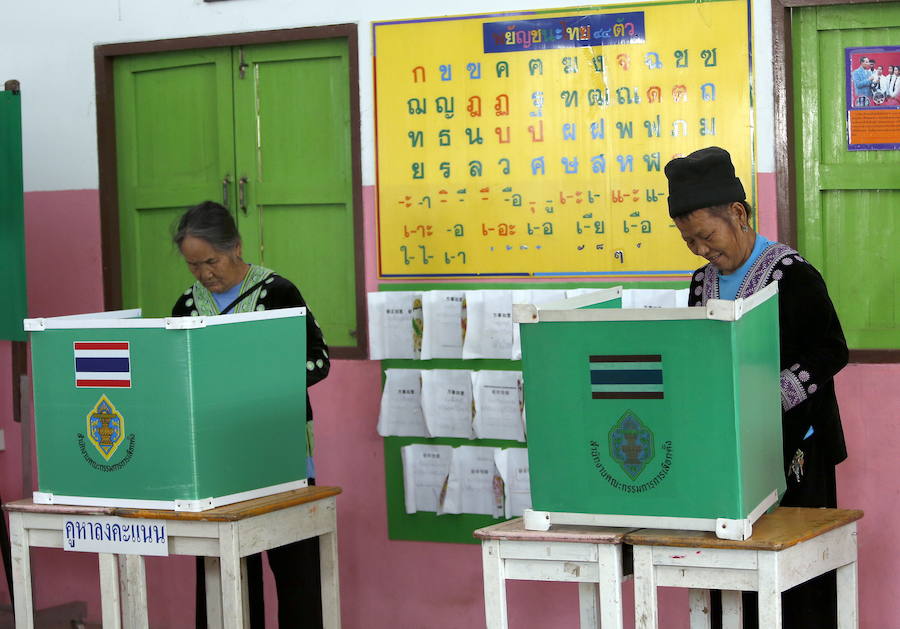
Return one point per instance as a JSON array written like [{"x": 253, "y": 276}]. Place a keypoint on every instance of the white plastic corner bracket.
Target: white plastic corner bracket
[
  {"x": 194, "y": 505},
  {"x": 35, "y": 325},
  {"x": 536, "y": 520},
  {"x": 185, "y": 323},
  {"x": 724, "y": 309},
  {"x": 525, "y": 313}
]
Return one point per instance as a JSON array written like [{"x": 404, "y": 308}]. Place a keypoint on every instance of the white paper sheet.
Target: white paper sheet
[
  {"x": 489, "y": 328},
  {"x": 474, "y": 485},
  {"x": 648, "y": 298},
  {"x": 444, "y": 323},
  {"x": 512, "y": 463},
  {"x": 447, "y": 402},
  {"x": 395, "y": 324},
  {"x": 498, "y": 405},
  {"x": 401, "y": 414},
  {"x": 537, "y": 297},
  {"x": 425, "y": 471}
]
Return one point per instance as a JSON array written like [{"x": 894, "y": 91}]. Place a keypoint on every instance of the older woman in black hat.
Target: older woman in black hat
[{"x": 708, "y": 205}]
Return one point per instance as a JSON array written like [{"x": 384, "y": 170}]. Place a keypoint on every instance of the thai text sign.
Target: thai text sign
[
  {"x": 534, "y": 143},
  {"x": 121, "y": 536}
]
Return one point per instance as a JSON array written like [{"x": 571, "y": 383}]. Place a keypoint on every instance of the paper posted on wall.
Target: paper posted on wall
[
  {"x": 489, "y": 326},
  {"x": 499, "y": 404},
  {"x": 395, "y": 324},
  {"x": 537, "y": 297},
  {"x": 512, "y": 463},
  {"x": 447, "y": 402},
  {"x": 401, "y": 413},
  {"x": 425, "y": 471},
  {"x": 444, "y": 322},
  {"x": 474, "y": 484}
]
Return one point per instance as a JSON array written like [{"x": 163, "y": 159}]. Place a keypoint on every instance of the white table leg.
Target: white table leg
[
  {"x": 133, "y": 590},
  {"x": 110, "y": 601},
  {"x": 328, "y": 567},
  {"x": 847, "y": 602},
  {"x": 611, "y": 613},
  {"x": 733, "y": 609},
  {"x": 232, "y": 597},
  {"x": 769, "y": 590},
  {"x": 645, "y": 604},
  {"x": 701, "y": 609},
  {"x": 21, "y": 571},
  {"x": 589, "y": 605},
  {"x": 212, "y": 575},
  {"x": 494, "y": 585}
]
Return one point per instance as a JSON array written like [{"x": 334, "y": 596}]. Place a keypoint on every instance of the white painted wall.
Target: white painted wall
[{"x": 48, "y": 45}]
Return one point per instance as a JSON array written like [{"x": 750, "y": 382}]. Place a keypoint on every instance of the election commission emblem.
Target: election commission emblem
[
  {"x": 631, "y": 444},
  {"x": 105, "y": 427}
]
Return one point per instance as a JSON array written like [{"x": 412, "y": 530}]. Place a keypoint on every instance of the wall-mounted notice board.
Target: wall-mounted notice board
[{"x": 534, "y": 143}]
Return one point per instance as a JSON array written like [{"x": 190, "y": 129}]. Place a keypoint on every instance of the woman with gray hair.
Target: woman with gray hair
[{"x": 210, "y": 243}]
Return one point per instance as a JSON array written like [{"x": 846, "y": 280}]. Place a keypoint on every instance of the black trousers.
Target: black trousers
[
  {"x": 297, "y": 583},
  {"x": 810, "y": 605}
]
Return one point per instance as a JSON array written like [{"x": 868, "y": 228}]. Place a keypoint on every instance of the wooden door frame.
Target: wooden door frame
[
  {"x": 105, "y": 54},
  {"x": 785, "y": 175}
]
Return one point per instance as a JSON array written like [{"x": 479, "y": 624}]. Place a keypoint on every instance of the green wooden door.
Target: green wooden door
[
  {"x": 175, "y": 147},
  {"x": 268, "y": 127},
  {"x": 846, "y": 200},
  {"x": 292, "y": 108}
]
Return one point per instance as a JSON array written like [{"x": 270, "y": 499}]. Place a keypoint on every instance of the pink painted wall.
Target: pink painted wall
[{"x": 387, "y": 584}]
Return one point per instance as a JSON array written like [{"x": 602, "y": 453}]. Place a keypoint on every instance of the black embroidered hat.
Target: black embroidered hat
[{"x": 704, "y": 178}]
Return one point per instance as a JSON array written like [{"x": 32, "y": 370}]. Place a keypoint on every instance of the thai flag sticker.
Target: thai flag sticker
[
  {"x": 628, "y": 377},
  {"x": 102, "y": 364}
]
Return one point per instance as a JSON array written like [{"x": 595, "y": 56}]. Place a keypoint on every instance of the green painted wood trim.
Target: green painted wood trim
[
  {"x": 875, "y": 176},
  {"x": 14, "y": 305}
]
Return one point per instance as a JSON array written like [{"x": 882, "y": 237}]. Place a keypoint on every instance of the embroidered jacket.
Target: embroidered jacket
[{"x": 813, "y": 348}]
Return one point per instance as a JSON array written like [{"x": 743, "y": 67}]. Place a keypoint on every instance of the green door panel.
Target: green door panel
[
  {"x": 14, "y": 305},
  {"x": 175, "y": 146},
  {"x": 846, "y": 200},
  {"x": 292, "y": 112}
]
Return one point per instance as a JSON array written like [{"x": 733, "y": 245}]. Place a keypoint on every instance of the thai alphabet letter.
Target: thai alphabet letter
[
  {"x": 418, "y": 74},
  {"x": 681, "y": 58},
  {"x": 505, "y": 163},
  {"x": 652, "y": 161},
  {"x": 517, "y": 200},
  {"x": 651, "y": 60},
  {"x": 679, "y": 94},
  {"x": 418, "y": 170},
  {"x": 502, "y": 69},
  {"x": 708, "y": 126},
  {"x": 537, "y": 164},
  {"x": 537, "y": 99},
  {"x": 474, "y": 136},
  {"x": 405, "y": 252},
  {"x": 598, "y": 97},
  {"x": 569, "y": 131},
  {"x": 474, "y": 70},
  {"x": 709, "y": 57},
  {"x": 623, "y": 60},
  {"x": 598, "y": 63},
  {"x": 501, "y": 105},
  {"x": 446, "y": 72},
  {"x": 598, "y": 129},
  {"x": 458, "y": 230},
  {"x": 570, "y": 97},
  {"x": 679, "y": 128},
  {"x": 425, "y": 256},
  {"x": 646, "y": 227},
  {"x": 653, "y": 127},
  {"x": 654, "y": 94},
  {"x": 623, "y": 96},
  {"x": 571, "y": 165},
  {"x": 416, "y": 138},
  {"x": 474, "y": 106},
  {"x": 570, "y": 65},
  {"x": 535, "y": 66},
  {"x": 416, "y": 106},
  {"x": 445, "y": 106},
  {"x": 475, "y": 168},
  {"x": 598, "y": 165},
  {"x": 599, "y": 227},
  {"x": 708, "y": 91},
  {"x": 445, "y": 169},
  {"x": 426, "y": 201},
  {"x": 626, "y": 162},
  {"x": 618, "y": 30},
  {"x": 620, "y": 256},
  {"x": 502, "y": 134},
  {"x": 537, "y": 133},
  {"x": 444, "y": 137},
  {"x": 625, "y": 129}
]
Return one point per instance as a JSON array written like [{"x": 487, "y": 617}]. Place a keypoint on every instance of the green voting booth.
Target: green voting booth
[
  {"x": 653, "y": 418},
  {"x": 179, "y": 413}
]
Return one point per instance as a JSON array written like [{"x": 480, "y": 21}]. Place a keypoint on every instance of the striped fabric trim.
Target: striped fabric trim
[{"x": 626, "y": 377}]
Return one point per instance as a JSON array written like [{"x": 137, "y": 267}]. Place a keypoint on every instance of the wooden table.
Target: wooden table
[
  {"x": 587, "y": 555},
  {"x": 788, "y": 547},
  {"x": 224, "y": 536}
]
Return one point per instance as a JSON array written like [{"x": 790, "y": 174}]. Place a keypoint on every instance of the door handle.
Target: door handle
[
  {"x": 225, "y": 183},
  {"x": 242, "y": 198}
]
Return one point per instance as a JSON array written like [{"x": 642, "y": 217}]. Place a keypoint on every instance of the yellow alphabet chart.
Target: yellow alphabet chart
[{"x": 533, "y": 143}]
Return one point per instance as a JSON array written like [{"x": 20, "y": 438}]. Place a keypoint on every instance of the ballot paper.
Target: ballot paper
[
  {"x": 537, "y": 297},
  {"x": 401, "y": 404},
  {"x": 512, "y": 463},
  {"x": 648, "y": 298},
  {"x": 425, "y": 471},
  {"x": 447, "y": 402},
  {"x": 473, "y": 485},
  {"x": 395, "y": 324},
  {"x": 444, "y": 323},
  {"x": 489, "y": 326},
  {"x": 499, "y": 404}
]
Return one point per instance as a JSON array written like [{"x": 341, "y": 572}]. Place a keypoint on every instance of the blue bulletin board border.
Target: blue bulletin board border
[{"x": 606, "y": 275}]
